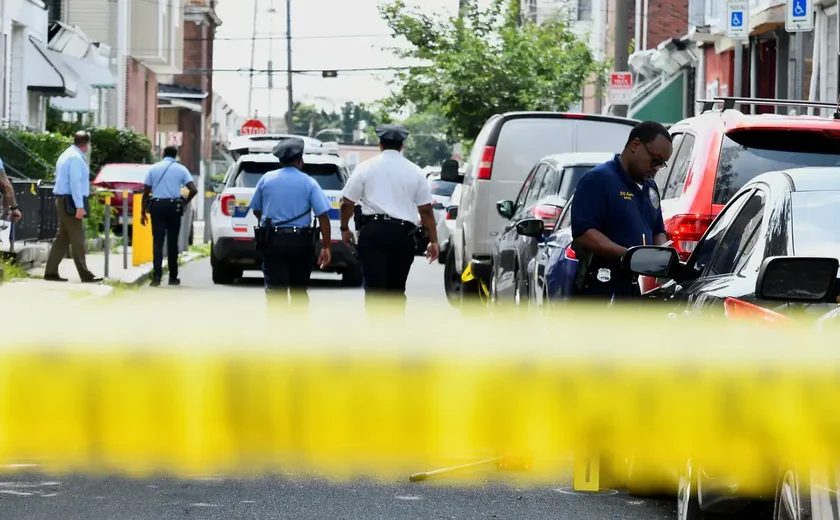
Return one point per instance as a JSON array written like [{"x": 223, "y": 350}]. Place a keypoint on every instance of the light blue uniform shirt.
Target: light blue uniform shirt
[
  {"x": 168, "y": 185},
  {"x": 72, "y": 175},
  {"x": 286, "y": 193}
]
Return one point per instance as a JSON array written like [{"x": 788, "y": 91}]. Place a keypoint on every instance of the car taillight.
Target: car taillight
[
  {"x": 548, "y": 214},
  {"x": 486, "y": 164},
  {"x": 735, "y": 309},
  {"x": 570, "y": 253},
  {"x": 686, "y": 230},
  {"x": 449, "y": 216},
  {"x": 228, "y": 203}
]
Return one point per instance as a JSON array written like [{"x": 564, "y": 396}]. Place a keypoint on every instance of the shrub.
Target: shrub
[
  {"x": 31, "y": 155},
  {"x": 109, "y": 145}
]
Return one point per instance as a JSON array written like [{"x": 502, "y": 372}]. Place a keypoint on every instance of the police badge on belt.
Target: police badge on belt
[{"x": 603, "y": 275}]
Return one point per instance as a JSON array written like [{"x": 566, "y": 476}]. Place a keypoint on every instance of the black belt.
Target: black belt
[
  {"x": 291, "y": 230},
  {"x": 387, "y": 218},
  {"x": 167, "y": 200}
]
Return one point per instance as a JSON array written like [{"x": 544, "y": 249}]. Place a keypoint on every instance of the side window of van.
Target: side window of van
[
  {"x": 679, "y": 170},
  {"x": 661, "y": 178}
]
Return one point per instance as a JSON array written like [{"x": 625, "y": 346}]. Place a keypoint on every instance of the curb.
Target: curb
[{"x": 145, "y": 275}]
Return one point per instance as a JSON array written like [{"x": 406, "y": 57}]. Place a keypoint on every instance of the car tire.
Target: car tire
[
  {"x": 444, "y": 254},
  {"x": 688, "y": 505},
  {"x": 222, "y": 274},
  {"x": 793, "y": 497},
  {"x": 352, "y": 277},
  {"x": 452, "y": 280}
]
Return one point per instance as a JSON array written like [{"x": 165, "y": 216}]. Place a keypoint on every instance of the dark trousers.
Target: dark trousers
[
  {"x": 166, "y": 226},
  {"x": 386, "y": 251},
  {"x": 71, "y": 235},
  {"x": 287, "y": 267}
]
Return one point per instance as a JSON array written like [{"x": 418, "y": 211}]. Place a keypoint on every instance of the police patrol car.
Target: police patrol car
[{"x": 232, "y": 226}]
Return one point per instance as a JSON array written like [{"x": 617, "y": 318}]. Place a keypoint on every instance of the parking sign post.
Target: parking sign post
[
  {"x": 738, "y": 20},
  {"x": 799, "y": 16}
]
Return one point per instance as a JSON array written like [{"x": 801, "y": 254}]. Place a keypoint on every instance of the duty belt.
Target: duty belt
[
  {"x": 387, "y": 218},
  {"x": 291, "y": 230}
]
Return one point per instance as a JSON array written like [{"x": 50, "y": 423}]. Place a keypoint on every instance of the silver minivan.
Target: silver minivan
[{"x": 505, "y": 151}]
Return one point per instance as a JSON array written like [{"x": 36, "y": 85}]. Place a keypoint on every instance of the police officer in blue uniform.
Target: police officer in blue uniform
[
  {"x": 616, "y": 207},
  {"x": 162, "y": 198},
  {"x": 283, "y": 202}
]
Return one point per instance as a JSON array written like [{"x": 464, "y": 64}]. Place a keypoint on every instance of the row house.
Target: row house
[
  {"x": 657, "y": 30},
  {"x": 766, "y": 65},
  {"x": 185, "y": 100}
]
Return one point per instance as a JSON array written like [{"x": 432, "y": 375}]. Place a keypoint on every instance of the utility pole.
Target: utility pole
[
  {"x": 291, "y": 113},
  {"x": 272, "y": 12},
  {"x": 253, "y": 50},
  {"x": 622, "y": 46}
]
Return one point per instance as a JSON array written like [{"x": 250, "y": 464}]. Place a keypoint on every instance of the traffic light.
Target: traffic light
[{"x": 329, "y": 74}]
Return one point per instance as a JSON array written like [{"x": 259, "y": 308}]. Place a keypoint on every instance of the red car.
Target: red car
[
  {"x": 717, "y": 152},
  {"x": 116, "y": 178}
]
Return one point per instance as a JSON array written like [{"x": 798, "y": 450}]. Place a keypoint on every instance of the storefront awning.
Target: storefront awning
[{"x": 47, "y": 74}]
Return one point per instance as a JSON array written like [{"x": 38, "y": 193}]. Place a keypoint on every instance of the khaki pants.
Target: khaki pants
[{"x": 71, "y": 234}]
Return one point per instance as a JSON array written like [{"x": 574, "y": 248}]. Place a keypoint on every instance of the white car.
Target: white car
[
  {"x": 264, "y": 143},
  {"x": 446, "y": 225},
  {"x": 233, "y": 249}
]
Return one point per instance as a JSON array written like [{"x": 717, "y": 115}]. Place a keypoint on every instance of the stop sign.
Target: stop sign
[{"x": 252, "y": 127}]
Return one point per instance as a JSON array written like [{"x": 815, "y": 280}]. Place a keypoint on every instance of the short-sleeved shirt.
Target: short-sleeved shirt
[
  {"x": 389, "y": 184},
  {"x": 287, "y": 196},
  {"x": 608, "y": 200},
  {"x": 167, "y": 178}
]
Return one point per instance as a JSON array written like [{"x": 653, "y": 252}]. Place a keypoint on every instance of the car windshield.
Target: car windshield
[
  {"x": 746, "y": 154},
  {"x": 327, "y": 175},
  {"x": 815, "y": 229},
  {"x": 124, "y": 173},
  {"x": 571, "y": 177},
  {"x": 443, "y": 188}
]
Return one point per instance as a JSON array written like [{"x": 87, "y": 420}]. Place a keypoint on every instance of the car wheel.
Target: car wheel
[
  {"x": 352, "y": 277},
  {"x": 688, "y": 506},
  {"x": 452, "y": 280},
  {"x": 520, "y": 290},
  {"x": 793, "y": 500},
  {"x": 444, "y": 254},
  {"x": 222, "y": 274}
]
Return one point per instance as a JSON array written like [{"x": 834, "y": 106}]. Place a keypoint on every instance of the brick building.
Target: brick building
[{"x": 185, "y": 101}]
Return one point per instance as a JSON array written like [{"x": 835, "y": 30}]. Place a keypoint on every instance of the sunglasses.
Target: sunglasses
[{"x": 655, "y": 162}]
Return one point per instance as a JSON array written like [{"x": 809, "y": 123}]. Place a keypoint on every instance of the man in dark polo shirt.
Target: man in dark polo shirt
[{"x": 616, "y": 207}]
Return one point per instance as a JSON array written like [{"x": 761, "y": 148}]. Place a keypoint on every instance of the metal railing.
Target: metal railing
[{"x": 729, "y": 103}]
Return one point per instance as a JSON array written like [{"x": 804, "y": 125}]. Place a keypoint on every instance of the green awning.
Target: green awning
[{"x": 665, "y": 105}]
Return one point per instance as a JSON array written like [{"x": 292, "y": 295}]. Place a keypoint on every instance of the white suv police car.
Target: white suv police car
[{"x": 233, "y": 249}]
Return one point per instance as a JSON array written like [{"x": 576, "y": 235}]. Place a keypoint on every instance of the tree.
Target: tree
[
  {"x": 485, "y": 63},
  {"x": 308, "y": 120},
  {"x": 427, "y": 144}
]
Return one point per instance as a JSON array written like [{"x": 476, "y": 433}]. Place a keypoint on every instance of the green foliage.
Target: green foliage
[
  {"x": 95, "y": 223},
  {"x": 28, "y": 155},
  {"x": 486, "y": 63},
  {"x": 309, "y": 120},
  {"x": 109, "y": 145},
  {"x": 427, "y": 144},
  {"x": 57, "y": 125}
]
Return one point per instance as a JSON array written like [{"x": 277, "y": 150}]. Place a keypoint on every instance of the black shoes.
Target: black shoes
[
  {"x": 54, "y": 278},
  {"x": 172, "y": 281},
  {"x": 95, "y": 279}
]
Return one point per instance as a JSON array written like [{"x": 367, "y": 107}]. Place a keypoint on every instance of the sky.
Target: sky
[{"x": 326, "y": 35}]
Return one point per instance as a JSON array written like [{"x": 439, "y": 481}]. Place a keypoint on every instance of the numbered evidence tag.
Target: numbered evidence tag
[{"x": 603, "y": 275}]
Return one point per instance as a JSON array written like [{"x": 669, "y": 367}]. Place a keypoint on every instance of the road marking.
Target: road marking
[
  {"x": 202, "y": 504},
  {"x": 408, "y": 497},
  {"x": 571, "y": 491},
  {"x": 247, "y": 501},
  {"x": 16, "y": 493}
]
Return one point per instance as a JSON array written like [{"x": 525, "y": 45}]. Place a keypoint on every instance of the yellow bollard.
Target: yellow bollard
[
  {"x": 141, "y": 236},
  {"x": 587, "y": 473}
]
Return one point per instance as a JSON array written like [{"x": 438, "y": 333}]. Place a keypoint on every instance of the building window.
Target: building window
[
  {"x": 53, "y": 10},
  {"x": 584, "y": 10}
]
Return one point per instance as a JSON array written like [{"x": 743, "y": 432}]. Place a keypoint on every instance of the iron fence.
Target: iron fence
[{"x": 39, "y": 216}]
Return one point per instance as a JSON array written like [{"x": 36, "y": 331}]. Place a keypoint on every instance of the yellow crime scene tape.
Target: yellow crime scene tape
[{"x": 166, "y": 383}]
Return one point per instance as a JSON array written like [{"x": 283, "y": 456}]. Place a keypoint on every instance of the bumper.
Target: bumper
[{"x": 242, "y": 252}]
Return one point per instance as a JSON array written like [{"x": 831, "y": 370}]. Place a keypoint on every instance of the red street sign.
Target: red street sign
[
  {"x": 253, "y": 127},
  {"x": 621, "y": 80}
]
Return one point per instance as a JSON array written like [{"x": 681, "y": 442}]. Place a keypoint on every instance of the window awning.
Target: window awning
[
  {"x": 47, "y": 74},
  {"x": 93, "y": 74},
  {"x": 82, "y": 102}
]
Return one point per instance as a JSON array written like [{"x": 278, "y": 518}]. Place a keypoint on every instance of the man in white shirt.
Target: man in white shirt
[{"x": 391, "y": 190}]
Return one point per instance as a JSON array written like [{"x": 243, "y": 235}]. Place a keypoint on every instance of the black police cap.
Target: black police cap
[
  {"x": 288, "y": 149},
  {"x": 391, "y": 132}
]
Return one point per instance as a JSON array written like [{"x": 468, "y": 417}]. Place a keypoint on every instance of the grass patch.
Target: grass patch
[
  {"x": 11, "y": 270},
  {"x": 201, "y": 250}
]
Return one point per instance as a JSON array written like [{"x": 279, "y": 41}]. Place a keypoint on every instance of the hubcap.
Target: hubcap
[{"x": 788, "y": 499}]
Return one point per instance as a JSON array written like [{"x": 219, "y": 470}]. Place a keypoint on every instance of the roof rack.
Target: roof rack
[{"x": 730, "y": 102}]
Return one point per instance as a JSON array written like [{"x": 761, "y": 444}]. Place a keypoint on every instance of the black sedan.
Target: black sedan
[{"x": 775, "y": 245}]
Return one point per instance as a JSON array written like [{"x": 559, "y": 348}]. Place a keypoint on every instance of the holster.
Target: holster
[
  {"x": 421, "y": 238},
  {"x": 584, "y": 260},
  {"x": 261, "y": 236},
  {"x": 358, "y": 219}
]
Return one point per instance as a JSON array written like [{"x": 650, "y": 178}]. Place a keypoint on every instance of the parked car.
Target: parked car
[
  {"x": 775, "y": 245},
  {"x": 232, "y": 225},
  {"x": 505, "y": 150},
  {"x": 446, "y": 225},
  {"x": 264, "y": 143},
  {"x": 552, "y": 271},
  {"x": 543, "y": 195},
  {"x": 116, "y": 178},
  {"x": 718, "y": 152}
]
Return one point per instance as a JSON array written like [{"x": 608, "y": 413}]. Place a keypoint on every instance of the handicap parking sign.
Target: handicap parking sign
[
  {"x": 738, "y": 20},
  {"x": 799, "y": 16}
]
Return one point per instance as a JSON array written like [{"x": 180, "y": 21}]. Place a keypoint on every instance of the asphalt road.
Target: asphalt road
[{"x": 26, "y": 495}]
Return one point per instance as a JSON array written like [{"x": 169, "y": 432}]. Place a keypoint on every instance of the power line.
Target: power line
[{"x": 301, "y": 71}]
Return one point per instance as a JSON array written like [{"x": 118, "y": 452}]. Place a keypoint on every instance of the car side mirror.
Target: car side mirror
[
  {"x": 655, "y": 261},
  {"x": 452, "y": 212},
  {"x": 218, "y": 187},
  {"x": 505, "y": 208},
  {"x": 531, "y": 227},
  {"x": 449, "y": 171},
  {"x": 797, "y": 279}
]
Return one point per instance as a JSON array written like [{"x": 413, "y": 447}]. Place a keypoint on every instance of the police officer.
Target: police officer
[
  {"x": 391, "y": 190},
  {"x": 282, "y": 203},
  {"x": 616, "y": 207},
  {"x": 162, "y": 198}
]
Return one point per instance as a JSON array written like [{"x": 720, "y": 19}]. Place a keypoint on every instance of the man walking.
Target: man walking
[
  {"x": 162, "y": 198},
  {"x": 392, "y": 191},
  {"x": 72, "y": 190}
]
